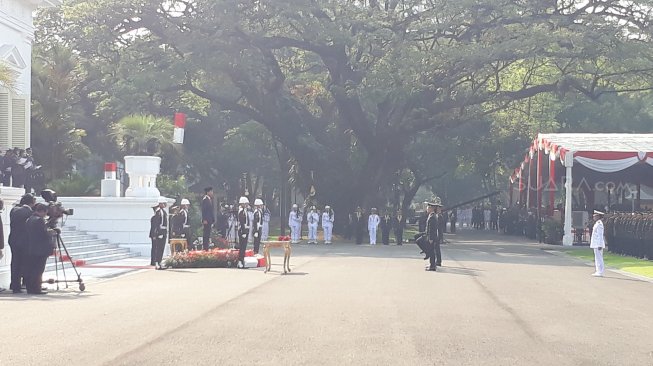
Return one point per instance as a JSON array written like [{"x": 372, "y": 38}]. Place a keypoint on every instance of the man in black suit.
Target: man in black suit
[
  {"x": 160, "y": 224},
  {"x": 433, "y": 235},
  {"x": 398, "y": 224},
  {"x": 153, "y": 234},
  {"x": 39, "y": 248},
  {"x": 386, "y": 226},
  {"x": 208, "y": 217},
  {"x": 360, "y": 223},
  {"x": 244, "y": 225},
  {"x": 18, "y": 239}
]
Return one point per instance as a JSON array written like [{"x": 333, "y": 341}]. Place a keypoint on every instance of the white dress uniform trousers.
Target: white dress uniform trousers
[
  {"x": 598, "y": 241},
  {"x": 373, "y": 223},
  {"x": 313, "y": 219},
  {"x": 327, "y": 226}
]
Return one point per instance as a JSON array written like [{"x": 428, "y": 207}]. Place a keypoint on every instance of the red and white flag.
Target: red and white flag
[{"x": 180, "y": 125}]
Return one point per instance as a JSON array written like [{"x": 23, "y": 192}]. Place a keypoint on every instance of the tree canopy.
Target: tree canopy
[{"x": 365, "y": 96}]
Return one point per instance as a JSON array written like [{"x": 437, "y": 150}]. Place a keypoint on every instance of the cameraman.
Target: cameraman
[
  {"x": 18, "y": 239},
  {"x": 39, "y": 248}
]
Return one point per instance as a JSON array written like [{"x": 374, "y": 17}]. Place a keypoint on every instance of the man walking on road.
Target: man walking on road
[{"x": 597, "y": 242}]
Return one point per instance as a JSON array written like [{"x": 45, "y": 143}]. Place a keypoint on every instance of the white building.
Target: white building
[{"x": 16, "y": 36}]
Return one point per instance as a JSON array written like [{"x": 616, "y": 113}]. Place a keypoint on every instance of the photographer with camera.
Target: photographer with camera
[
  {"x": 18, "y": 239},
  {"x": 40, "y": 245}
]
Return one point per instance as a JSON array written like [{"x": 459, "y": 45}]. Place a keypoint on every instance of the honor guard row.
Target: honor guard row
[
  {"x": 313, "y": 219},
  {"x": 387, "y": 223}
]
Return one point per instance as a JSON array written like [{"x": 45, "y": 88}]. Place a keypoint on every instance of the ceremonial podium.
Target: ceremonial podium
[{"x": 286, "y": 257}]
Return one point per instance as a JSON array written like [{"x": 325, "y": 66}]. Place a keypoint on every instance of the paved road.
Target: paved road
[{"x": 495, "y": 302}]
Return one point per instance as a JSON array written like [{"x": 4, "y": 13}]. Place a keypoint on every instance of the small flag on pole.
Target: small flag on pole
[{"x": 180, "y": 125}]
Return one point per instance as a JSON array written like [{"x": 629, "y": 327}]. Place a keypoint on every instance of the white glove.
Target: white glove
[
  {"x": 256, "y": 235},
  {"x": 2, "y": 253}
]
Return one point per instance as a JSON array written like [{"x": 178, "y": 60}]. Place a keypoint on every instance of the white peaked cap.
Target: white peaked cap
[
  {"x": 243, "y": 200},
  {"x": 327, "y": 207},
  {"x": 185, "y": 202},
  {"x": 162, "y": 200},
  {"x": 258, "y": 202},
  {"x": 294, "y": 205},
  {"x": 596, "y": 212}
]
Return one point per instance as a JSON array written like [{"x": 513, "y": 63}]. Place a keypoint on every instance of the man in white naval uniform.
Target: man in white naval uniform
[
  {"x": 372, "y": 224},
  {"x": 295, "y": 223},
  {"x": 265, "y": 232},
  {"x": 327, "y": 223},
  {"x": 313, "y": 219},
  {"x": 597, "y": 242}
]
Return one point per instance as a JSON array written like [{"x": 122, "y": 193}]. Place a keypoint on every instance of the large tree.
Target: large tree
[{"x": 349, "y": 86}]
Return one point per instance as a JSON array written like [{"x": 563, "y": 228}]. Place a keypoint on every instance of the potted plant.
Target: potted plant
[{"x": 141, "y": 137}]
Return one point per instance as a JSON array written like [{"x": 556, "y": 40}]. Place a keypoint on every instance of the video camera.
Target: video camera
[{"x": 55, "y": 209}]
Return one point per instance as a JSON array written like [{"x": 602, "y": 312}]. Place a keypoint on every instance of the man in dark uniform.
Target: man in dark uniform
[
  {"x": 442, "y": 225},
  {"x": 153, "y": 234},
  {"x": 160, "y": 223},
  {"x": 432, "y": 235},
  {"x": 208, "y": 218},
  {"x": 421, "y": 222},
  {"x": 398, "y": 224},
  {"x": 243, "y": 230},
  {"x": 359, "y": 225},
  {"x": 39, "y": 248},
  {"x": 18, "y": 239},
  {"x": 257, "y": 224},
  {"x": 386, "y": 226}
]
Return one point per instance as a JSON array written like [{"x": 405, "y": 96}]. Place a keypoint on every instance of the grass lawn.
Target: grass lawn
[{"x": 641, "y": 267}]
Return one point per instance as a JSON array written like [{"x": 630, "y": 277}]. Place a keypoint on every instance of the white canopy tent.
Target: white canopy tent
[{"x": 598, "y": 152}]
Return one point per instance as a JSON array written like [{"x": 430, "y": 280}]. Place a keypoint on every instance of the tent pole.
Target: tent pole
[
  {"x": 539, "y": 181},
  {"x": 511, "y": 193},
  {"x": 568, "y": 238},
  {"x": 552, "y": 186},
  {"x": 528, "y": 189}
]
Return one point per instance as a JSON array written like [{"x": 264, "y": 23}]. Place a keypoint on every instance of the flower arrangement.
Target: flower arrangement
[
  {"x": 283, "y": 238},
  {"x": 216, "y": 258}
]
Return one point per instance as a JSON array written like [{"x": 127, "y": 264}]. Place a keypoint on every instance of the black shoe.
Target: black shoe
[
  {"x": 37, "y": 292},
  {"x": 439, "y": 264},
  {"x": 433, "y": 268},
  {"x": 17, "y": 291}
]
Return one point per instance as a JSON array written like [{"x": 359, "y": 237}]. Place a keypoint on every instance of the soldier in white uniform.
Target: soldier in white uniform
[
  {"x": 313, "y": 219},
  {"x": 372, "y": 224},
  {"x": 597, "y": 242},
  {"x": 295, "y": 223},
  {"x": 327, "y": 223},
  {"x": 265, "y": 232}
]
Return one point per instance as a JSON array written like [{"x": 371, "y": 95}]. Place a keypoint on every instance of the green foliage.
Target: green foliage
[
  {"x": 76, "y": 185},
  {"x": 367, "y": 95},
  {"x": 7, "y": 76},
  {"x": 141, "y": 134}
]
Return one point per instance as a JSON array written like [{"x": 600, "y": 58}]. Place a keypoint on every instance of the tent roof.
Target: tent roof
[{"x": 599, "y": 142}]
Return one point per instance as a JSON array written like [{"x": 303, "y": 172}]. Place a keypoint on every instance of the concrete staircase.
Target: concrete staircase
[{"x": 88, "y": 248}]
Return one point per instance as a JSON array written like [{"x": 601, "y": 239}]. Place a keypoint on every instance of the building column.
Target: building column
[
  {"x": 539, "y": 188},
  {"x": 568, "y": 238}
]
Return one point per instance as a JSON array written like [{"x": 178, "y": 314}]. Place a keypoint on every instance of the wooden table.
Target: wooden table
[
  {"x": 174, "y": 242},
  {"x": 286, "y": 257}
]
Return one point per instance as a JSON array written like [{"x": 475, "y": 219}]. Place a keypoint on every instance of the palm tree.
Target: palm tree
[
  {"x": 142, "y": 134},
  {"x": 7, "y": 76}
]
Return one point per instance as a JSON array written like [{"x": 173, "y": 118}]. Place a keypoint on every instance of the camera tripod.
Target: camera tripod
[{"x": 59, "y": 261}]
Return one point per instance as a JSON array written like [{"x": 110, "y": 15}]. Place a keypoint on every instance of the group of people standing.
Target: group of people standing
[
  {"x": 359, "y": 223},
  {"x": 18, "y": 169},
  {"x": 31, "y": 242},
  {"x": 313, "y": 218}
]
